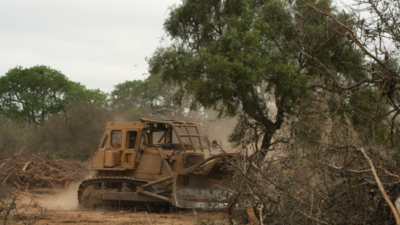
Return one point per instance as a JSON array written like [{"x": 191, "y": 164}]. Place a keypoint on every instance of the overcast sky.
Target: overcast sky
[{"x": 99, "y": 43}]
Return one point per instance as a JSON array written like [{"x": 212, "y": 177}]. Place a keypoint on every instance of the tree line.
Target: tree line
[{"x": 41, "y": 110}]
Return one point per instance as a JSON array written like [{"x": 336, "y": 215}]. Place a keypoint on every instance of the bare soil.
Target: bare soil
[{"x": 61, "y": 207}]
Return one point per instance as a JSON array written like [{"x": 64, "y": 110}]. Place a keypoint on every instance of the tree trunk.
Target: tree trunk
[
  {"x": 266, "y": 142},
  {"x": 271, "y": 128}
]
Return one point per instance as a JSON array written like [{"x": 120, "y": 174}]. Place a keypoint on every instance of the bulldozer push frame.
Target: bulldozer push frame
[{"x": 152, "y": 163}]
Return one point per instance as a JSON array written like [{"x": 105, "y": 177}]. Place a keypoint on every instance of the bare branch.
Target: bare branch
[
  {"x": 381, "y": 188},
  {"x": 313, "y": 218}
]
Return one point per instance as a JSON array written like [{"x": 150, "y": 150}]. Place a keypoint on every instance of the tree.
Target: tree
[
  {"x": 348, "y": 98},
  {"x": 375, "y": 34},
  {"x": 321, "y": 175},
  {"x": 242, "y": 57},
  {"x": 31, "y": 95},
  {"x": 150, "y": 96}
]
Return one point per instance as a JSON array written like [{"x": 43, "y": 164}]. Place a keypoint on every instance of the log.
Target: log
[
  {"x": 252, "y": 216},
  {"x": 26, "y": 165}
]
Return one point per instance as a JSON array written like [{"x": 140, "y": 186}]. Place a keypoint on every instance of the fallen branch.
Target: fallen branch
[
  {"x": 313, "y": 218},
  {"x": 381, "y": 188},
  {"x": 36, "y": 172},
  {"x": 26, "y": 165},
  {"x": 8, "y": 160}
]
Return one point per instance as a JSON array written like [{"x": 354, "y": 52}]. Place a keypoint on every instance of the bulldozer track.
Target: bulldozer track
[{"x": 99, "y": 180}]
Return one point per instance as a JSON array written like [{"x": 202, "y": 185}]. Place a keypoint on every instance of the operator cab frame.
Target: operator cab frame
[{"x": 124, "y": 143}]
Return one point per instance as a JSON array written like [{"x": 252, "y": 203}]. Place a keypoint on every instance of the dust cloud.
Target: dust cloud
[
  {"x": 64, "y": 200},
  {"x": 212, "y": 128}
]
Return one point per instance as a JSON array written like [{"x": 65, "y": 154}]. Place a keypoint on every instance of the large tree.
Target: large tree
[
  {"x": 243, "y": 57},
  {"x": 149, "y": 96},
  {"x": 33, "y": 94}
]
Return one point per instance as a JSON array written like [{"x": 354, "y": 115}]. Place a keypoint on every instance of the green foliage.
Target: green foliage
[
  {"x": 248, "y": 57},
  {"x": 150, "y": 96},
  {"x": 223, "y": 57},
  {"x": 128, "y": 95},
  {"x": 32, "y": 95},
  {"x": 368, "y": 115},
  {"x": 385, "y": 23}
]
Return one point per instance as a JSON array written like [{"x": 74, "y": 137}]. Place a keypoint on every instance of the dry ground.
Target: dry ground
[{"x": 62, "y": 208}]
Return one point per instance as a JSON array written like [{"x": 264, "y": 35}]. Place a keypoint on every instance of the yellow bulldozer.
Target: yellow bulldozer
[{"x": 154, "y": 162}]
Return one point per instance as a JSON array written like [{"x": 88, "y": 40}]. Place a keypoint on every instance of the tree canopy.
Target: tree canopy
[
  {"x": 248, "y": 57},
  {"x": 33, "y": 94},
  {"x": 144, "y": 96},
  {"x": 371, "y": 98}
]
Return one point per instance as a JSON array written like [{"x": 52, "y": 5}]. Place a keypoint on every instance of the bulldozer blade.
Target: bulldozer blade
[{"x": 200, "y": 192}]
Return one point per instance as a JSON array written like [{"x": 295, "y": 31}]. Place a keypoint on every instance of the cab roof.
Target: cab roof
[{"x": 144, "y": 122}]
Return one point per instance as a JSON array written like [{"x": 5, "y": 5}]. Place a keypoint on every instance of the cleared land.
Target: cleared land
[{"x": 62, "y": 208}]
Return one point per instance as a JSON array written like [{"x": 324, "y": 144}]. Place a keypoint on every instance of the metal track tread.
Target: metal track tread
[{"x": 98, "y": 180}]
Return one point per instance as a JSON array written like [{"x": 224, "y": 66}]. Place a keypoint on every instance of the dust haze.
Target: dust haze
[
  {"x": 210, "y": 127},
  {"x": 66, "y": 199}
]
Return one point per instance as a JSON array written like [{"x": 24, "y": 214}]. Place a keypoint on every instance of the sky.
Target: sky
[{"x": 98, "y": 43}]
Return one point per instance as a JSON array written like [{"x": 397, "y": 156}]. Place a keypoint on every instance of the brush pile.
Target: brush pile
[{"x": 32, "y": 172}]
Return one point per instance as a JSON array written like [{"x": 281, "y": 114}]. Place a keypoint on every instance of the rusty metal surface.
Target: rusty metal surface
[
  {"x": 199, "y": 192},
  {"x": 157, "y": 181},
  {"x": 128, "y": 196},
  {"x": 109, "y": 169},
  {"x": 98, "y": 159},
  {"x": 98, "y": 181},
  {"x": 164, "y": 159},
  {"x": 111, "y": 158},
  {"x": 152, "y": 195},
  {"x": 149, "y": 164}
]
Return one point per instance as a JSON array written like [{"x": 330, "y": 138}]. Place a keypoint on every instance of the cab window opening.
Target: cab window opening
[
  {"x": 116, "y": 136},
  {"x": 131, "y": 137}
]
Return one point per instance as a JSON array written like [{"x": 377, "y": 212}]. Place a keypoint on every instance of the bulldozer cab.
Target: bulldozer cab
[{"x": 124, "y": 143}]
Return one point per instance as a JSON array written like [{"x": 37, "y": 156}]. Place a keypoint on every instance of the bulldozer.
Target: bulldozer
[{"x": 154, "y": 162}]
